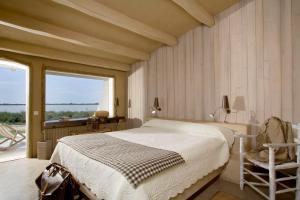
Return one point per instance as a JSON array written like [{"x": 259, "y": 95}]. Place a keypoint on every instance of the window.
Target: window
[{"x": 77, "y": 96}]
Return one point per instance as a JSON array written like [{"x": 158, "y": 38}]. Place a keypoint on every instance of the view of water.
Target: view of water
[{"x": 57, "y": 108}]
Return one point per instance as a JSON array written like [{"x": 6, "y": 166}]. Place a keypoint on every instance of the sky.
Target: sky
[
  {"x": 12, "y": 85},
  {"x": 59, "y": 89},
  {"x": 64, "y": 89}
]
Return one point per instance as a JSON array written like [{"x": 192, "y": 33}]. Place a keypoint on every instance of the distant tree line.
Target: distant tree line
[
  {"x": 12, "y": 118},
  {"x": 52, "y": 115},
  {"x": 20, "y": 117}
]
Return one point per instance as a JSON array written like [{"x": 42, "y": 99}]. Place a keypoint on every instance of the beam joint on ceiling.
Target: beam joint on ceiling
[
  {"x": 193, "y": 8},
  {"x": 99, "y": 11},
  {"x": 37, "y": 27},
  {"x": 50, "y": 53}
]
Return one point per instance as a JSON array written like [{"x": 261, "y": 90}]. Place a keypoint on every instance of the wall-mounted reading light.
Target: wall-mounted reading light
[
  {"x": 156, "y": 104},
  {"x": 155, "y": 107},
  {"x": 225, "y": 107},
  {"x": 129, "y": 103},
  {"x": 116, "y": 106}
]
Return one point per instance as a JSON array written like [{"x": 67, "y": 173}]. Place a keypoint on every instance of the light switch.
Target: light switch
[{"x": 35, "y": 113}]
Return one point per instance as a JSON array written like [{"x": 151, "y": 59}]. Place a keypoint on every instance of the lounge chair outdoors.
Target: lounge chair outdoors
[{"x": 11, "y": 135}]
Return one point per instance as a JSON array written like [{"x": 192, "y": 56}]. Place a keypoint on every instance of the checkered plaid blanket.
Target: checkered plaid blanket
[{"x": 134, "y": 161}]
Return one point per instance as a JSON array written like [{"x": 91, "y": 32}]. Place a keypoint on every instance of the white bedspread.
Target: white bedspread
[{"x": 204, "y": 149}]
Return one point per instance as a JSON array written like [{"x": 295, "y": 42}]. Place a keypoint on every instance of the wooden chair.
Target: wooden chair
[
  {"x": 10, "y": 134},
  {"x": 245, "y": 160}
]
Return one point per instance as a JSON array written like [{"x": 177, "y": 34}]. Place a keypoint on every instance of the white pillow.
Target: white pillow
[
  {"x": 191, "y": 128},
  {"x": 165, "y": 124}
]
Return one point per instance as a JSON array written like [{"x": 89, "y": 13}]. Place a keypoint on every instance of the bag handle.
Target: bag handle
[{"x": 43, "y": 190}]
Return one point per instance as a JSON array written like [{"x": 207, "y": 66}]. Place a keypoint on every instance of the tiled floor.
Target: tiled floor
[
  {"x": 17, "y": 179},
  {"x": 227, "y": 188},
  {"x": 16, "y": 152}
]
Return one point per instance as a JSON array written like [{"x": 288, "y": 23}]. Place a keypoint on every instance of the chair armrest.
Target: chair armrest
[
  {"x": 240, "y": 135},
  {"x": 242, "y": 138},
  {"x": 278, "y": 145}
]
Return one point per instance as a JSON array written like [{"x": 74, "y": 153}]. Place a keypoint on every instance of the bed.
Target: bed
[{"x": 205, "y": 149}]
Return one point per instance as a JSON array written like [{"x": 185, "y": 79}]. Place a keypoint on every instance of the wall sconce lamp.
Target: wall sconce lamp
[
  {"x": 129, "y": 103},
  {"x": 116, "y": 106},
  {"x": 155, "y": 107},
  {"x": 225, "y": 107}
]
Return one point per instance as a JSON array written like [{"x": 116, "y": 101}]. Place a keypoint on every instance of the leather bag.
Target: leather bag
[{"x": 56, "y": 182}]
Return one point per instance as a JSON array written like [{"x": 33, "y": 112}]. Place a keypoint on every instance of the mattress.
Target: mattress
[{"x": 204, "y": 149}]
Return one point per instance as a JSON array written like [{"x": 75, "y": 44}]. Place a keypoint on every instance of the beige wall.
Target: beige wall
[
  {"x": 36, "y": 82},
  {"x": 248, "y": 52}
]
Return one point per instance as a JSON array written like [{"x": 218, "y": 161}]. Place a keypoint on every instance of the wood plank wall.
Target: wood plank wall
[
  {"x": 252, "y": 51},
  {"x": 137, "y": 92},
  {"x": 296, "y": 59}
]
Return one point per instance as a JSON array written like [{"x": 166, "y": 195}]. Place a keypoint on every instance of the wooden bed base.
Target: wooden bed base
[
  {"x": 182, "y": 196},
  {"x": 198, "y": 185}
]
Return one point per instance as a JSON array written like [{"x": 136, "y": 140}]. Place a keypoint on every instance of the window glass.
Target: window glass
[{"x": 76, "y": 96}]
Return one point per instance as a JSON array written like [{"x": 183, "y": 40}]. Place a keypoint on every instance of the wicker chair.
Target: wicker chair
[{"x": 272, "y": 168}]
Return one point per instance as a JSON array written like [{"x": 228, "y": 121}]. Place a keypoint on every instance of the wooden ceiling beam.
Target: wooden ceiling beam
[
  {"x": 193, "y": 8},
  {"x": 35, "y": 50},
  {"x": 99, "y": 11},
  {"x": 38, "y": 27}
]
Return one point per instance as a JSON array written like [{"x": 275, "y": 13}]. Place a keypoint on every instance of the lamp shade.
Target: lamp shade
[
  {"x": 225, "y": 104},
  {"x": 239, "y": 103}
]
